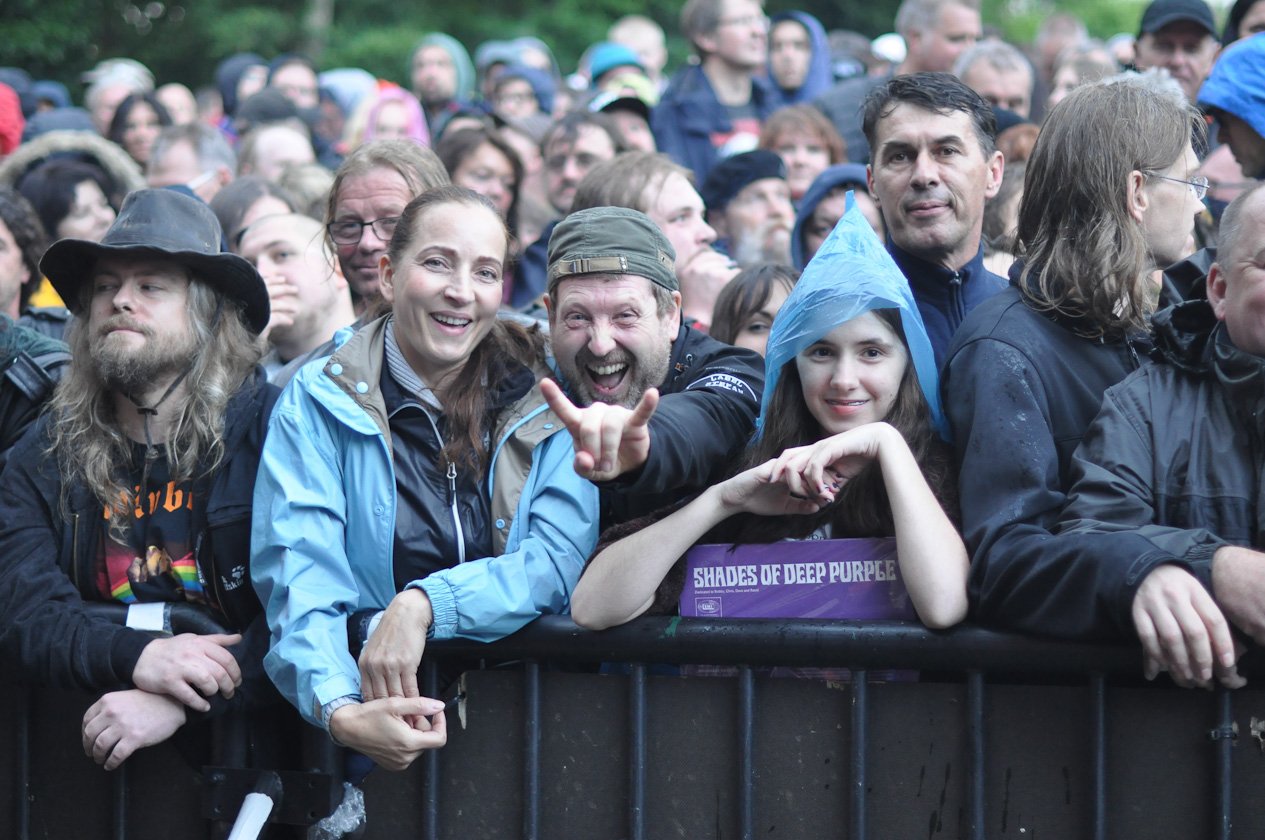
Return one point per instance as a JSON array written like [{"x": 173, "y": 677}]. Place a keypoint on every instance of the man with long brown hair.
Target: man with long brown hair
[
  {"x": 135, "y": 486},
  {"x": 1111, "y": 195}
]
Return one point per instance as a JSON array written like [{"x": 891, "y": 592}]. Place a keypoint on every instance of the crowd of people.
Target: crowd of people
[{"x": 352, "y": 365}]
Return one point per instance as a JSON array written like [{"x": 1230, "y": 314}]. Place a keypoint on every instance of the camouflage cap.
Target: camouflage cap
[{"x": 611, "y": 240}]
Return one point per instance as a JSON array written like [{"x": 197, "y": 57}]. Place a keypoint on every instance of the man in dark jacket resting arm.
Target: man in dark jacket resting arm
[
  {"x": 1169, "y": 459},
  {"x": 135, "y": 486}
]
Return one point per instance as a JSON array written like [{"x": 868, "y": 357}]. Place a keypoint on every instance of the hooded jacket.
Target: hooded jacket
[
  {"x": 820, "y": 74},
  {"x": 117, "y": 163},
  {"x": 839, "y": 175},
  {"x": 689, "y": 114},
  {"x": 437, "y": 118},
  {"x": 323, "y": 545}
]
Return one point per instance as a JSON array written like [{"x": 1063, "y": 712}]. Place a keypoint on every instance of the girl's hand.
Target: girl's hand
[
  {"x": 818, "y": 471},
  {"x": 755, "y": 491}
]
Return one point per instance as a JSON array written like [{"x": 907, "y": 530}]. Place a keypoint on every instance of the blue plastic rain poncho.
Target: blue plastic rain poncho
[{"x": 850, "y": 275}]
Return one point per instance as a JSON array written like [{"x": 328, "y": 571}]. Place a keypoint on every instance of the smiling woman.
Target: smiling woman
[{"x": 434, "y": 491}]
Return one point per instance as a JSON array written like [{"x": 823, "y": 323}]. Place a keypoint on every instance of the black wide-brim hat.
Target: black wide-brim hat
[{"x": 168, "y": 225}]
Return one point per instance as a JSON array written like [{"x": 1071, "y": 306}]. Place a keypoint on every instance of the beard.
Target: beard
[
  {"x": 770, "y": 242},
  {"x": 640, "y": 374},
  {"x": 132, "y": 369}
]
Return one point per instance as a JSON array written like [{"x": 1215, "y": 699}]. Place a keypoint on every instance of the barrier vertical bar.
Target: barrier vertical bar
[
  {"x": 746, "y": 753},
  {"x": 120, "y": 802},
  {"x": 975, "y": 729},
  {"x": 860, "y": 752},
  {"x": 1224, "y": 734},
  {"x": 22, "y": 811},
  {"x": 430, "y": 762},
  {"x": 1098, "y": 732},
  {"x": 637, "y": 753},
  {"x": 531, "y": 751}
]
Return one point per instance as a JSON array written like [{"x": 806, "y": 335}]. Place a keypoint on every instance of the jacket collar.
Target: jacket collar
[
  {"x": 931, "y": 282},
  {"x": 1241, "y": 374}
]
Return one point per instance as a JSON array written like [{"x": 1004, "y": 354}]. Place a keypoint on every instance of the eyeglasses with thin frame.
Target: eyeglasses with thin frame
[
  {"x": 1199, "y": 183},
  {"x": 745, "y": 20},
  {"x": 349, "y": 233}
]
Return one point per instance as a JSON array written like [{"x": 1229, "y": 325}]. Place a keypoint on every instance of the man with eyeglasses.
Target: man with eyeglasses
[
  {"x": 715, "y": 107},
  {"x": 368, "y": 195},
  {"x": 572, "y": 146}
]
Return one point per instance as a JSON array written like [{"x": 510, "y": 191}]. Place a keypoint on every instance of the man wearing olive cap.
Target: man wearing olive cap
[
  {"x": 136, "y": 485},
  {"x": 657, "y": 410}
]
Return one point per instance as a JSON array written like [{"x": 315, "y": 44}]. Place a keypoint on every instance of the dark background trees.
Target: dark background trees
[{"x": 182, "y": 40}]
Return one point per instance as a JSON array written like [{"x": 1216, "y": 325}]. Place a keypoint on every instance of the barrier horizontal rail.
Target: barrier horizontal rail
[{"x": 801, "y": 642}]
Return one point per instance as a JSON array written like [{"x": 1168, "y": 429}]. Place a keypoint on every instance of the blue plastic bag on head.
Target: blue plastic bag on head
[{"x": 850, "y": 274}]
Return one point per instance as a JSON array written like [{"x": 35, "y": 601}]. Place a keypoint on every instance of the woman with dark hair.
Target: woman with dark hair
[
  {"x": 72, "y": 198},
  {"x": 746, "y": 306},
  {"x": 137, "y": 122},
  {"x": 846, "y": 446},
  {"x": 479, "y": 159},
  {"x": 22, "y": 243},
  {"x": 417, "y": 476},
  {"x": 245, "y": 200}
]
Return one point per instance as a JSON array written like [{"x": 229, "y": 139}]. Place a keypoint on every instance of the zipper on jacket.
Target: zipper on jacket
[
  {"x": 74, "y": 549},
  {"x": 456, "y": 516},
  {"x": 959, "y": 308}
]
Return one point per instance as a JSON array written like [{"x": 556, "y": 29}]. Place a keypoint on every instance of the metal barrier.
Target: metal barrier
[
  {"x": 1003, "y": 736},
  {"x": 1125, "y": 730}
]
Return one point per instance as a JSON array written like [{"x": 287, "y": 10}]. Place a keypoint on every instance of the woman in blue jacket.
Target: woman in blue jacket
[{"x": 416, "y": 471}]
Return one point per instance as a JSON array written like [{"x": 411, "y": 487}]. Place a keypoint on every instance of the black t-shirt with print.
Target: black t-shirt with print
[{"x": 156, "y": 562}]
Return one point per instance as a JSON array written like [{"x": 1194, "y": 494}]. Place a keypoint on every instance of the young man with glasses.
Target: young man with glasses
[{"x": 720, "y": 102}]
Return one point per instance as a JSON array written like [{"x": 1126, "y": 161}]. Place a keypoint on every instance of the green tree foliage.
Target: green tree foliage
[{"x": 183, "y": 40}]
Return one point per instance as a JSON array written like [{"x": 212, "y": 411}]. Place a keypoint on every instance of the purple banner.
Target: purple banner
[{"x": 854, "y": 579}]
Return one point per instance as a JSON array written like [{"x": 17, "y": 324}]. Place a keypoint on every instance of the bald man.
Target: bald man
[{"x": 310, "y": 298}]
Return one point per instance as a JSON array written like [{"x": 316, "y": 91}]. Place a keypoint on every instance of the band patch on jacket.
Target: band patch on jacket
[{"x": 725, "y": 382}]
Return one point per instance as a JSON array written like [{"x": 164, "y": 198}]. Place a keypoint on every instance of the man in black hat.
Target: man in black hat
[
  {"x": 749, "y": 204},
  {"x": 1179, "y": 36},
  {"x": 135, "y": 486},
  {"x": 656, "y": 409}
]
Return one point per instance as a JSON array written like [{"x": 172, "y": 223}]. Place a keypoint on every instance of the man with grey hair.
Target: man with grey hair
[
  {"x": 195, "y": 156},
  {"x": 936, "y": 32},
  {"x": 109, "y": 83},
  {"x": 999, "y": 73},
  {"x": 1168, "y": 464}
]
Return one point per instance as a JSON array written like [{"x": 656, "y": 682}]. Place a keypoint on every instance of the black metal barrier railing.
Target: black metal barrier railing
[
  {"x": 982, "y": 657},
  {"x": 613, "y": 740}
]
